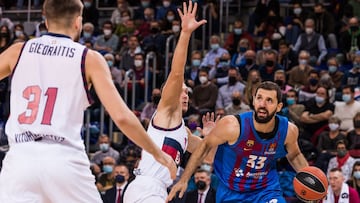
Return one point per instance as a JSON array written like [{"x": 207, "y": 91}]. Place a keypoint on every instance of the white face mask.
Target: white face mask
[
  {"x": 170, "y": 18},
  {"x": 203, "y": 79},
  {"x": 138, "y": 63},
  {"x": 303, "y": 61},
  {"x": 309, "y": 31},
  {"x": 333, "y": 126},
  {"x": 175, "y": 28},
  {"x": 107, "y": 32}
]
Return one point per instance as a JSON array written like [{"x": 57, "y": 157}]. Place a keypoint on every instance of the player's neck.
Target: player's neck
[
  {"x": 265, "y": 127},
  {"x": 62, "y": 31}
]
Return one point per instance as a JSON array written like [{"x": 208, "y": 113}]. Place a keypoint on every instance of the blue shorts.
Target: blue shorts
[{"x": 267, "y": 195}]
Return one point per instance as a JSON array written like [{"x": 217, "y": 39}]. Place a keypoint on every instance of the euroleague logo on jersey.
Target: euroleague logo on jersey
[{"x": 271, "y": 149}]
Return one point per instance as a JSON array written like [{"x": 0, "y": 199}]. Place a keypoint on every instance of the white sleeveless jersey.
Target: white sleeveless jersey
[
  {"x": 172, "y": 141},
  {"x": 48, "y": 92}
]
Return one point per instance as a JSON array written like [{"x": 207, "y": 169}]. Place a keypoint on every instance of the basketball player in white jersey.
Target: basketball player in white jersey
[
  {"x": 51, "y": 76},
  {"x": 167, "y": 128}
]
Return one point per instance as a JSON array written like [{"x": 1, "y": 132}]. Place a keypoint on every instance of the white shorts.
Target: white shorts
[
  {"x": 145, "y": 189},
  {"x": 36, "y": 172}
]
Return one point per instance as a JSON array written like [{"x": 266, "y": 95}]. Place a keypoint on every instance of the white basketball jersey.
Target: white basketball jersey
[
  {"x": 173, "y": 142},
  {"x": 48, "y": 92}
]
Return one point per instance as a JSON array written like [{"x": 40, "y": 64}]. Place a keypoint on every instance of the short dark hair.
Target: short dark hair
[
  {"x": 268, "y": 85},
  {"x": 62, "y": 11},
  {"x": 352, "y": 89},
  {"x": 336, "y": 169},
  {"x": 342, "y": 141}
]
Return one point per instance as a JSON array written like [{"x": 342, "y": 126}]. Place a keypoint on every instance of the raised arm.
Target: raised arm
[
  {"x": 226, "y": 130},
  {"x": 295, "y": 157},
  {"x": 173, "y": 86},
  {"x": 98, "y": 74}
]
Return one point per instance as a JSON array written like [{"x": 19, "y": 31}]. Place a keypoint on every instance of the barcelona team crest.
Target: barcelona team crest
[
  {"x": 272, "y": 147},
  {"x": 250, "y": 143}
]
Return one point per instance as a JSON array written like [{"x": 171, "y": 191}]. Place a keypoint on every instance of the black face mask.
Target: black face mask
[
  {"x": 120, "y": 179},
  {"x": 201, "y": 185},
  {"x": 236, "y": 102},
  {"x": 154, "y": 30},
  {"x": 318, "y": 14},
  {"x": 156, "y": 99},
  {"x": 357, "y": 124},
  {"x": 269, "y": 63},
  {"x": 313, "y": 81},
  {"x": 249, "y": 61},
  {"x": 279, "y": 82},
  {"x": 4, "y": 34},
  {"x": 232, "y": 80},
  {"x": 354, "y": 28}
]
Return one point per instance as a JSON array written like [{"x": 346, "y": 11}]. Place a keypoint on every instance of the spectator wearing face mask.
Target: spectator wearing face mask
[
  {"x": 193, "y": 123},
  {"x": 295, "y": 22},
  {"x": 87, "y": 33},
  {"x": 121, "y": 176},
  {"x": 352, "y": 76},
  {"x": 19, "y": 34},
  {"x": 203, "y": 193},
  {"x": 327, "y": 140},
  {"x": 354, "y": 181},
  {"x": 334, "y": 72},
  {"x": 150, "y": 107},
  {"x": 239, "y": 32},
  {"x": 280, "y": 79},
  {"x": 298, "y": 75},
  {"x": 348, "y": 105},
  {"x": 204, "y": 95},
  {"x": 312, "y": 42},
  {"x": 342, "y": 160},
  {"x": 104, "y": 151},
  {"x": 107, "y": 42},
  {"x": 164, "y": 8},
  {"x": 215, "y": 52},
  {"x": 317, "y": 112},
  {"x": 224, "y": 95},
  {"x": 293, "y": 109},
  {"x": 309, "y": 90},
  {"x": 237, "y": 105},
  {"x": 250, "y": 64},
  {"x": 191, "y": 73},
  {"x": 106, "y": 179},
  {"x": 267, "y": 71}
]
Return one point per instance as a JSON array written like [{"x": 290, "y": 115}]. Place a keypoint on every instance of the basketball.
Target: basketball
[{"x": 310, "y": 184}]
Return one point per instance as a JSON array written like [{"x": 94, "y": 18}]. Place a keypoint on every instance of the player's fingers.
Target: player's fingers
[
  {"x": 190, "y": 7},
  {"x": 184, "y": 8},
  {"x": 217, "y": 118},
  {"x": 202, "y": 22},
  {"x": 195, "y": 8},
  {"x": 182, "y": 192},
  {"x": 212, "y": 116},
  {"x": 180, "y": 12}
]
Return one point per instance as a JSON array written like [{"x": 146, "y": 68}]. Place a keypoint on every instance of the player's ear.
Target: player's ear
[
  {"x": 78, "y": 23},
  {"x": 279, "y": 107}
]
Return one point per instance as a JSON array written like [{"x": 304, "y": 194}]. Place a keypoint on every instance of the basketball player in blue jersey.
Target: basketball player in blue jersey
[
  {"x": 166, "y": 127},
  {"x": 51, "y": 76},
  {"x": 248, "y": 146}
]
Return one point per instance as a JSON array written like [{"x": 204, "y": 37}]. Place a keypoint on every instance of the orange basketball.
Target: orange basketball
[{"x": 310, "y": 184}]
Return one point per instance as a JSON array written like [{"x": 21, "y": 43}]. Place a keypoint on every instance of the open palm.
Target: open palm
[{"x": 188, "y": 17}]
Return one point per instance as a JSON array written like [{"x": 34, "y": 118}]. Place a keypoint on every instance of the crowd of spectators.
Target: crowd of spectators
[{"x": 312, "y": 53}]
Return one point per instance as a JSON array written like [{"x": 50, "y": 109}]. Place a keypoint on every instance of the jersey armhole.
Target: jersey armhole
[{"x": 83, "y": 74}]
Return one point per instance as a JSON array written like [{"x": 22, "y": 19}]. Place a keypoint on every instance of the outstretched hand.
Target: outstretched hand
[
  {"x": 167, "y": 161},
  {"x": 188, "y": 17},
  {"x": 209, "y": 123}
]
